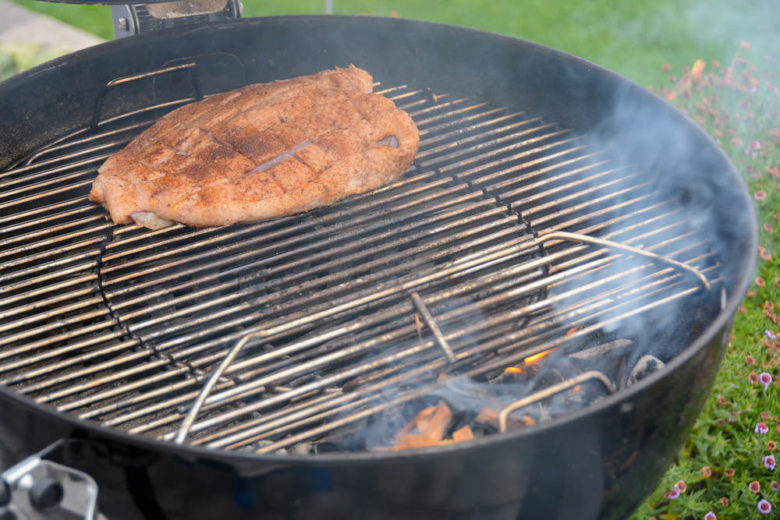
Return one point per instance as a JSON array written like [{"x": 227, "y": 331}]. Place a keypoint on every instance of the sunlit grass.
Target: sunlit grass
[{"x": 631, "y": 38}]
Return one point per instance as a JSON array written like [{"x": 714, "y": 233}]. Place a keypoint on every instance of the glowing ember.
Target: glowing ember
[
  {"x": 537, "y": 357},
  {"x": 530, "y": 360}
]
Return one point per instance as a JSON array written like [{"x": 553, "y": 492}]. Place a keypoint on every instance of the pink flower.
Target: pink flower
[
  {"x": 762, "y": 428},
  {"x": 766, "y": 379},
  {"x": 672, "y": 494},
  {"x": 710, "y": 516},
  {"x": 752, "y": 147},
  {"x": 769, "y": 334},
  {"x": 769, "y": 462},
  {"x": 760, "y": 195},
  {"x": 775, "y": 486},
  {"x": 764, "y": 507}
]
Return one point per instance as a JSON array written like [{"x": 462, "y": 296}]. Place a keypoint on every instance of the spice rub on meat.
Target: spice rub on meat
[{"x": 261, "y": 151}]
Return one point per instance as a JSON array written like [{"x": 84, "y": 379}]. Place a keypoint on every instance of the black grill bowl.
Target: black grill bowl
[{"x": 599, "y": 462}]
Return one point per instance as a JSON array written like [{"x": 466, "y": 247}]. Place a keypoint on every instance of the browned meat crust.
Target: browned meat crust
[{"x": 258, "y": 152}]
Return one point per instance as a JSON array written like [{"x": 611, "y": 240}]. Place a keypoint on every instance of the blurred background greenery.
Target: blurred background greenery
[{"x": 631, "y": 37}]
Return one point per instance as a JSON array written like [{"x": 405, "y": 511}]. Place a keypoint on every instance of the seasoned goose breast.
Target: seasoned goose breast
[{"x": 261, "y": 151}]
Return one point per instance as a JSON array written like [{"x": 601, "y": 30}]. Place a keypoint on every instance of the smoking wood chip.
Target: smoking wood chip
[
  {"x": 436, "y": 425},
  {"x": 423, "y": 415},
  {"x": 463, "y": 434},
  {"x": 427, "y": 428},
  {"x": 432, "y": 422},
  {"x": 411, "y": 441}
]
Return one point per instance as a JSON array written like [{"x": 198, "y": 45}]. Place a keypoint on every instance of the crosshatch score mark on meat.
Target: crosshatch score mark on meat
[{"x": 262, "y": 151}]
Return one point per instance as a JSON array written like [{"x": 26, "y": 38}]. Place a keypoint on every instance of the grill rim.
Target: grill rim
[{"x": 721, "y": 322}]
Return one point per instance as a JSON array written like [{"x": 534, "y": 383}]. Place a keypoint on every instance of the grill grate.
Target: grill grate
[{"x": 124, "y": 326}]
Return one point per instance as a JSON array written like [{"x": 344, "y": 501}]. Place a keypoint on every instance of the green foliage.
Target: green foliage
[
  {"x": 95, "y": 19},
  {"x": 16, "y": 57},
  {"x": 631, "y": 38},
  {"x": 738, "y": 103}
]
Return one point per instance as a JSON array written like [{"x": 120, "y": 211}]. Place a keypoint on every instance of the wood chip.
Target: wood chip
[
  {"x": 436, "y": 425},
  {"x": 422, "y": 415},
  {"x": 463, "y": 434},
  {"x": 432, "y": 422},
  {"x": 411, "y": 441}
]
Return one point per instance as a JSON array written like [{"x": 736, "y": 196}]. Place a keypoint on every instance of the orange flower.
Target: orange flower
[{"x": 698, "y": 68}]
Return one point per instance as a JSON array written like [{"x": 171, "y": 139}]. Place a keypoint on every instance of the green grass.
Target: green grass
[
  {"x": 738, "y": 103},
  {"x": 631, "y": 37},
  {"x": 95, "y": 19}
]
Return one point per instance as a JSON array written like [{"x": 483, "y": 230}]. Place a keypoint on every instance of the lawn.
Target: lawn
[
  {"x": 717, "y": 60},
  {"x": 632, "y": 38},
  {"x": 727, "y": 469}
]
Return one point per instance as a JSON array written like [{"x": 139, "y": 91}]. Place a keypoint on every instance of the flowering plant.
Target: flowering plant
[{"x": 729, "y": 461}]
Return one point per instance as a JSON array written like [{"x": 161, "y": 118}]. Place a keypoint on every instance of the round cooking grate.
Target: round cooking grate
[{"x": 124, "y": 326}]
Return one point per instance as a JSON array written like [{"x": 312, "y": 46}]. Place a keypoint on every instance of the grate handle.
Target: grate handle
[
  {"x": 549, "y": 392},
  {"x": 192, "y": 67},
  {"x": 586, "y": 239}
]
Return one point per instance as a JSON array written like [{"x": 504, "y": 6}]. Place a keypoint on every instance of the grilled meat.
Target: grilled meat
[{"x": 262, "y": 151}]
